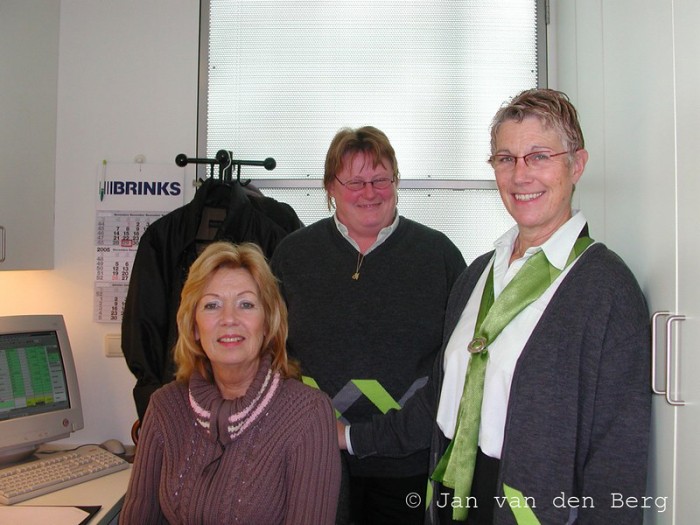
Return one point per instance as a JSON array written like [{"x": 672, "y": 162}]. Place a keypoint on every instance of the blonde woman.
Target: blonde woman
[{"x": 236, "y": 438}]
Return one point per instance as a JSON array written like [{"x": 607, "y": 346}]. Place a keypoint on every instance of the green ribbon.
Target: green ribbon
[
  {"x": 377, "y": 394},
  {"x": 456, "y": 467},
  {"x": 518, "y": 504},
  {"x": 370, "y": 388}
]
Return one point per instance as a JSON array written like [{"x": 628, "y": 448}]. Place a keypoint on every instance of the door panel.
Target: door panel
[{"x": 687, "y": 49}]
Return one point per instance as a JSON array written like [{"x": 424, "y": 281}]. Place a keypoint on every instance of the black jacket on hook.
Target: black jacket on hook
[{"x": 166, "y": 250}]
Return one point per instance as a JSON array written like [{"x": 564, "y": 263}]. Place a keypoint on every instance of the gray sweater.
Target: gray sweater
[{"x": 579, "y": 411}]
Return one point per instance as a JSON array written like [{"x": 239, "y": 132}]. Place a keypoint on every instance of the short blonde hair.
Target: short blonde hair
[
  {"x": 554, "y": 110},
  {"x": 189, "y": 354}
]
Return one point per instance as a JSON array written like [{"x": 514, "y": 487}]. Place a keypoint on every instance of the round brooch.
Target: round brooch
[{"x": 478, "y": 344}]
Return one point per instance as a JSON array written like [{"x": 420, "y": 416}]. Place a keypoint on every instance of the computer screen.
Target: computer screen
[{"x": 39, "y": 394}]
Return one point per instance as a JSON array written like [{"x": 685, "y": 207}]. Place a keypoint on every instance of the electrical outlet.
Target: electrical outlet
[{"x": 113, "y": 345}]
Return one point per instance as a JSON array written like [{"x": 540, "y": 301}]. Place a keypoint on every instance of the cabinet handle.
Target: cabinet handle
[
  {"x": 669, "y": 338},
  {"x": 2, "y": 244},
  {"x": 654, "y": 320}
]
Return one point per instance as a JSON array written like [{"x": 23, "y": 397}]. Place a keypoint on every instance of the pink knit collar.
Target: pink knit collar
[{"x": 226, "y": 419}]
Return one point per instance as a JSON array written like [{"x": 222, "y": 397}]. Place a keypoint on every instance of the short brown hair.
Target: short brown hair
[
  {"x": 367, "y": 139},
  {"x": 189, "y": 354}
]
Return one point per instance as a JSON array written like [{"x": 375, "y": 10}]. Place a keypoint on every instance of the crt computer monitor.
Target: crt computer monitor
[{"x": 39, "y": 395}]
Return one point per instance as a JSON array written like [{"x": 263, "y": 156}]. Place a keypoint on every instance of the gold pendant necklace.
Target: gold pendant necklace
[{"x": 360, "y": 260}]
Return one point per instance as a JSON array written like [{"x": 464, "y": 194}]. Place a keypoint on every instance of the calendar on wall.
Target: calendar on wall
[
  {"x": 131, "y": 197},
  {"x": 117, "y": 238}
]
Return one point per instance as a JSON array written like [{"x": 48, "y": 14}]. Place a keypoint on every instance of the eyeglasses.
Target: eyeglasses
[
  {"x": 536, "y": 160},
  {"x": 357, "y": 185}
]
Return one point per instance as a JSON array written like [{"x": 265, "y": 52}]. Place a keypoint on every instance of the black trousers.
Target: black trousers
[{"x": 387, "y": 501}]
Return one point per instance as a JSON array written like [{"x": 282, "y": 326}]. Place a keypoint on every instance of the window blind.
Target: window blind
[{"x": 282, "y": 77}]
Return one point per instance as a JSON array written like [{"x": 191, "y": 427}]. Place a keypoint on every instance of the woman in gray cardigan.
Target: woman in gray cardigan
[{"x": 563, "y": 428}]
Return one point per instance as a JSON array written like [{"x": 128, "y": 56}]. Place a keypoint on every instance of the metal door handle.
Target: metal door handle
[
  {"x": 654, "y": 320},
  {"x": 669, "y": 338},
  {"x": 2, "y": 244}
]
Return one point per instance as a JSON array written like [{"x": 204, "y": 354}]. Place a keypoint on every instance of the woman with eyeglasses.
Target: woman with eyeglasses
[
  {"x": 366, "y": 291},
  {"x": 538, "y": 408}
]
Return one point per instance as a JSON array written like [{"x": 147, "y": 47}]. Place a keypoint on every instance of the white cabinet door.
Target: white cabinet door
[
  {"x": 687, "y": 50},
  {"x": 28, "y": 107},
  {"x": 651, "y": 86},
  {"x": 632, "y": 67}
]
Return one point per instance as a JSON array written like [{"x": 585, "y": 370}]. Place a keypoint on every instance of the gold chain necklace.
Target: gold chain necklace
[{"x": 360, "y": 260}]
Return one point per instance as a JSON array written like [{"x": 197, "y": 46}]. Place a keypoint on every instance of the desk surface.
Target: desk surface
[{"x": 107, "y": 492}]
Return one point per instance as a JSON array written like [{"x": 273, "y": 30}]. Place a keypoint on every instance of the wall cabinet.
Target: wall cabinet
[{"x": 28, "y": 111}]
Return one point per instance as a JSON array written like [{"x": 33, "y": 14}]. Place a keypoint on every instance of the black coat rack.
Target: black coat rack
[{"x": 226, "y": 164}]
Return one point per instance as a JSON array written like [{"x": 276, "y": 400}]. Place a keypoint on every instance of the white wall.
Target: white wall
[
  {"x": 576, "y": 68},
  {"x": 614, "y": 59},
  {"x": 127, "y": 85}
]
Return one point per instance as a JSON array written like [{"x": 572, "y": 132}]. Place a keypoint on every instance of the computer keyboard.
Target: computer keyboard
[{"x": 63, "y": 469}]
